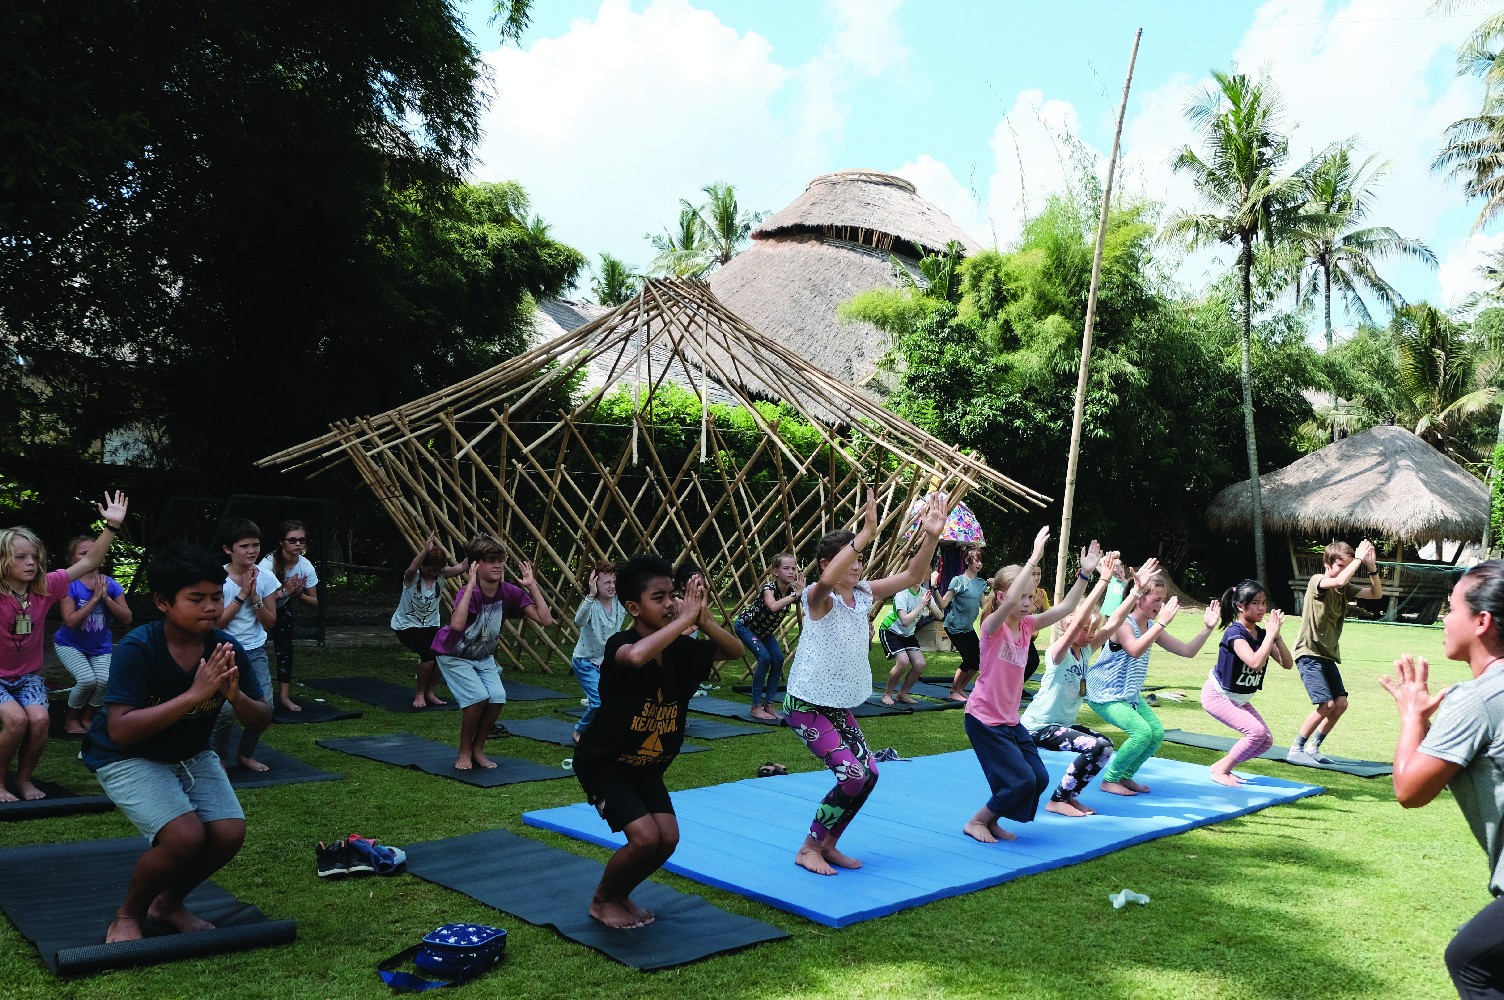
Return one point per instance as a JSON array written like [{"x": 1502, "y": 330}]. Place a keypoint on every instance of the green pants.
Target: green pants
[{"x": 1145, "y": 734}]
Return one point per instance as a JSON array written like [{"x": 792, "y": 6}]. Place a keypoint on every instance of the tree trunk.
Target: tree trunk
[
  {"x": 1245, "y": 261},
  {"x": 1326, "y": 281}
]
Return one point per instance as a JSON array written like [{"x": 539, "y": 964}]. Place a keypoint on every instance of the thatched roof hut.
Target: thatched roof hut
[
  {"x": 1384, "y": 482},
  {"x": 832, "y": 242}
]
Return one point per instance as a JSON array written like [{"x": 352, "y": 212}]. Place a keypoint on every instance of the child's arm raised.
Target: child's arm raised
[
  {"x": 113, "y": 511},
  {"x": 840, "y": 564},
  {"x": 1134, "y": 645},
  {"x": 537, "y": 611},
  {"x": 776, "y": 604},
  {"x": 582, "y": 613},
  {"x": 1003, "y": 604},
  {"x": 460, "y": 616},
  {"x": 1091, "y": 556},
  {"x": 411, "y": 573},
  {"x": 1256, "y": 658},
  {"x": 1078, "y": 631},
  {"x": 646, "y": 649},
  {"x": 1188, "y": 649},
  {"x": 931, "y": 523},
  {"x": 727, "y": 645}
]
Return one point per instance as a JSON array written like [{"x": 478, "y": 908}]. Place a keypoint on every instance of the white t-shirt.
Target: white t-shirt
[
  {"x": 245, "y": 628},
  {"x": 830, "y": 668},
  {"x": 302, "y": 568},
  {"x": 418, "y": 607}
]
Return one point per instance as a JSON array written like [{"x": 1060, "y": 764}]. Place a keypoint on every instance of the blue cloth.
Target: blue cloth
[{"x": 588, "y": 673}]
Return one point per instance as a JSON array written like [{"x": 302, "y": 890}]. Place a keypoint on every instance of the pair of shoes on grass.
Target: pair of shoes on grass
[
  {"x": 770, "y": 769},
  {"x": 357, "y": 855}
]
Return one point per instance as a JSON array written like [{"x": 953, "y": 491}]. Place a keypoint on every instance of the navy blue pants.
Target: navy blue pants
[{"x": 1010, "y": 760}]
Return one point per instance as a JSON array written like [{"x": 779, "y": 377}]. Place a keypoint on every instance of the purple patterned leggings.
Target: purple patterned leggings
[{"x": 833, "y": 736}]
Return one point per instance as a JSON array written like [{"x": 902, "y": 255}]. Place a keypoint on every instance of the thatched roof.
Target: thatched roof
[
  {"x": 1384, "y": 482},
  {"x": 874, "y": 209}
]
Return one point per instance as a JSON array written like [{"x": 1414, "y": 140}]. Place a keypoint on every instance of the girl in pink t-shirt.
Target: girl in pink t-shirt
[{"x": 1002, "y": 744}]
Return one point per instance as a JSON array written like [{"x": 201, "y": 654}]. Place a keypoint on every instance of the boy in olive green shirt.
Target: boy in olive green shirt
[{"x": 1316, "y": 650}]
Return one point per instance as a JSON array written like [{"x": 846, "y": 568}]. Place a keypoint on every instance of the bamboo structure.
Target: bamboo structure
[{"x": 521, "y": 452}]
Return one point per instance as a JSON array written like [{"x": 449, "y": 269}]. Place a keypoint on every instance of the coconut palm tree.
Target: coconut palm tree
[
  {"x": 1474, "y": 147},
  {"x": 681, "y": 250},
  {"x": 1449, "y": 376},
  {"x": 1237, "y": 174},
  {"x": 614, "y": 282},
  {"x": 726, "y": 225}
]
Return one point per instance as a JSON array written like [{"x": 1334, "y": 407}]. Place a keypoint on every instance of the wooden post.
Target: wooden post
[{"x": 1068, "y": 503}]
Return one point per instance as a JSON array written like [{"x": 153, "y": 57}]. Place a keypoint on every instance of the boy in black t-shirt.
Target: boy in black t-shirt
[
  {"x": 648, "y": 675},
  {"x": 150, "y": 747}
]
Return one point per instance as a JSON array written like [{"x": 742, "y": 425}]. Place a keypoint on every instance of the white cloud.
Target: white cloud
[
  {"x": 936, "y": 184},
  {"x": 610, "y": 124},
  {"x": 1458, "y": 271}
]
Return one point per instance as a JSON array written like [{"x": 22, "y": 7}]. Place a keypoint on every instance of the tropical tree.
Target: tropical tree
[
  {"x": 1237, "y": 118},
  {"x": 1473, "y": 150},
  {"x": 614, "y": 282},
  {"x": 1449, "y": 375},
  {"x": 726, "y": 225},
  {"x": 681, "y": 250}
]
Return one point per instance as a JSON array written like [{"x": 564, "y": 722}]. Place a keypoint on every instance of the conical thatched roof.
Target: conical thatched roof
[
  {"x": 835, "y": 240},
  {"x": 1384, "y": 482}
]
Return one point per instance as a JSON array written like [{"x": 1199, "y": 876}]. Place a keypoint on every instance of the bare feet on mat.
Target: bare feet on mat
[
  {"x": 957, "y": 696},
  {"x": 812, "y": 859},
  {"x": 31, "y": 792},
  {"x": 6, "y": 796},
  {"x": 987, "y": 833},
  {"x": 1082, "y": 806},
  {"x": 765, "y": 714},
  {"x": 888, "y": 698},
  {"x": 463, "y": 763},
  {"x": 180, "y": 917},
  {"x": 290, "y": 705},
  {"x": 123, "y": 929},
  {"x": 75, "y": 729},
  {"x": 252, "y": 764},
  {"x": 481, "y": 760},
  {"x": 1226, "y": 778},
  {"x": 614, "y": 915},
  {"x": 434, "y": 699},
  {"x": 642, "y": 913},
  {"x": 1118, "y": 788},
  {"x": 835, "y": 857},
  {"x": 419, "y": 702},
  {"x": 1137, "y": 786},
  {"x": 904, "y": 699},
  {"x": 1066, "y": 808}
]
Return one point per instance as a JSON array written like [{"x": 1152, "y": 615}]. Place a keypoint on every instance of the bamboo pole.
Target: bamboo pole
[{"x": 1068, "y": 503}]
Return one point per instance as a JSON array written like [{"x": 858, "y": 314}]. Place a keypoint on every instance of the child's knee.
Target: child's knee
[
  {"x": 182, "y": 837},
  {"x": 225, "y": 835}
]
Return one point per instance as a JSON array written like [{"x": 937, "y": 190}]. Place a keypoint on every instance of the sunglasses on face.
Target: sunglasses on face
[{"x": 296, "y": 541}]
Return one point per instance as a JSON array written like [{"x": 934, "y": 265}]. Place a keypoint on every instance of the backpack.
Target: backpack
[{"x": 456, "y": 953}]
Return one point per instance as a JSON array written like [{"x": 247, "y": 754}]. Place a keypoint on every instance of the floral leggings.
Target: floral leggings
[
  {"x": 1093, "y": 751},
  {"x": 833, "y": 736}
]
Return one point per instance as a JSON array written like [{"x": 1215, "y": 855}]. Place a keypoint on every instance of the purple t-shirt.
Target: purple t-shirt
[
  {"x": 483, "y": 622},
  {"x": 92, "y": 635}
]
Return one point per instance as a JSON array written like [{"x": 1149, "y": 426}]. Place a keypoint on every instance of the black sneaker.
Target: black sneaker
[
  {"x": 356, "y": 863},
  {"x": 497, "y": 729},
  {"x": 333, "y": 859}
]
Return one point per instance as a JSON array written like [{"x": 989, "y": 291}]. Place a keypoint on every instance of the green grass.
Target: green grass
[{"x": 1340, "y": 895}]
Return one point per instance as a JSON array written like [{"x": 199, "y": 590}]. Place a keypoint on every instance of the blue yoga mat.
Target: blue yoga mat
[{"x": 742, "y": 836}]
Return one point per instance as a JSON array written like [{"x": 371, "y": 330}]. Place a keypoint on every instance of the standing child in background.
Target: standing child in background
[
  {"x": 1118, "y": 586},
  {"x": 1317, "y": 651},
  {"x": 150, "y": 746},
  {"x": 466, "y": 648},
  {"x": 1004, "y": 748},
  {"x": 961, "y": 603},
  {"x": 1051, "y": 716},
  {"x": 901, "y": 645},
  {"x": 598, "y": 618},
  {"x": 757, "y": 626},
  {"x": 832, "y": 675},
  {"x": 29, "y": 592},
  {"x": 1041, "y": 603},
  {"x": 1115, "y": 683},
  {"x": 1242, "y": 661},
  {"x": 299, "y": 590},
  {"x": 250, "y": 608},
  {"x": 648, "y": 674},
  {"x": 416, "y": 620},
  {"x": 83, "y": 643}
]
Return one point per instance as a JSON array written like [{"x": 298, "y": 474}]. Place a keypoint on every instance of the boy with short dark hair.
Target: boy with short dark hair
[
  {"x": 248, "y": 611},
  {"x": 648, "y": 675},
  {"x": 1316, "y": 651},
  {"x": 150, "y": 746}
]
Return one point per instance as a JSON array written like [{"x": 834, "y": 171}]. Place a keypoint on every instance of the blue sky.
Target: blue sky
[{"x": 611, "y": 110}]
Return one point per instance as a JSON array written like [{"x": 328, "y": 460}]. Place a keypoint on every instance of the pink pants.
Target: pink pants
[{"x": 1244, "y": 718}]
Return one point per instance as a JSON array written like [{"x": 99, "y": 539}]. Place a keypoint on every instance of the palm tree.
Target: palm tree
[
  {"x": 726, "y": 225},
  {"x": 1237, "y": 119},
  {"x": 614, "y": 283},
  {"x": 682, "y": 250},
  {"x": 1335, "y": 248},
  {"x": 1474, "y": 149},
  {"x": 1448, "y": 376}
]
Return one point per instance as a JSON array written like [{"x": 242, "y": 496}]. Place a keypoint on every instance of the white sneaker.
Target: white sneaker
[
  {"x": 1299, "y": 757},
  {"x": 1317, "y": 757}
]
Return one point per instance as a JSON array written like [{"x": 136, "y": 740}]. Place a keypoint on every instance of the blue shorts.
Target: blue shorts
[
  {"x": 473, "y": 681},
  {"x": 152, "y": 793},
  {"x": 1322, "y": 679},
  {"x": 26, "y": 690}
]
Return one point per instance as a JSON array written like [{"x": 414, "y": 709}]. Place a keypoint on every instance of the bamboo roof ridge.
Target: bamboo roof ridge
[
  {"x": 1384, "y": 482},
  {"x": 870, "y": 208}
]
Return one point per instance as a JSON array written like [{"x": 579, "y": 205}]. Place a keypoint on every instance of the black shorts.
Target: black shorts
[
  {"x": 893, "y": 643},
  {"x": 969, "y": 645},
  {"x": 419, "y": 640},
  {"x": 1322, "y": 679},
  {"x": 623, "y": 794}
]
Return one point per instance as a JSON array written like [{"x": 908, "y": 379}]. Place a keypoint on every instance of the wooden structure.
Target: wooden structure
[{"x": 519, "y": 451}]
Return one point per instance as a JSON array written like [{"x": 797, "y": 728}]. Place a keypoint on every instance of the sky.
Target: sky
[{"x": 610, "y": 111}]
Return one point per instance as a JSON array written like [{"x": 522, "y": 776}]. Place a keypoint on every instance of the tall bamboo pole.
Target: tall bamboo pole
[{"x": 1069, "y": 502}]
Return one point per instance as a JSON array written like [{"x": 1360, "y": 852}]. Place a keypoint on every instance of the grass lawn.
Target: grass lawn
[{"x": 1339, "y": 895}]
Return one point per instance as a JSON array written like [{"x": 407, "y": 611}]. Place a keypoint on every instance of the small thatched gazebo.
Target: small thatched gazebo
[
  {"x": 832, "y": 242},
  {"x": 527, "y": 452},
  {"x": 1384, "y": 483}
]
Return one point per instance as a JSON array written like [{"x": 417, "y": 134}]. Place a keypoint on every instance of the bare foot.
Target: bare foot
[
  {"x": 464, "y": 763},
  {"x": 481, "y": 760},
  {"x": 987, "y": 833},
  {"x": 123, "y": 929},
  {"x": 887, "y": 698},
  {"x": 75, "y": 729},
  {"x": 418, "y": 702},
  {"x": 642, "y": 913},
  {"x": 434, "y": 699},
  {"x": 291, "y": 706},
  {"x": 1137, "y": 786},
  {"x": 576, "y": 735},
  {"x": 761, "y": 713},
  {"x": 614, "y": 915},
  {"x": 904, "y": 699},
  {"x": 954, "y": 696},
  {"x": 31, "y": 792},
  {"x": 1226, "y": 778},
  {"x": 1082, "y": 806},
  {"x": 835, "y": 857},
  {"x": 6, "y": 796},
  {"x": 1066, "y": 808},
  {"x": 1118, "y": 788},
  {"x": 812, "y": 859},
  {"x": 252, "y": 764},
  {"x": 180, "y": 917}
]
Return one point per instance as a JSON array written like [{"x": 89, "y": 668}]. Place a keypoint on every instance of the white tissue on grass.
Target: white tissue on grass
[{"x": 1122, "y": 899}]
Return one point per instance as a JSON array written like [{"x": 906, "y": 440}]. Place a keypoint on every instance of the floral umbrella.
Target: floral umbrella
[{"x": 961, "y": 526}]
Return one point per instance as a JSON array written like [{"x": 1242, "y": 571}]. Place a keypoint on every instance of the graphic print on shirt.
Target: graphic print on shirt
[
  {"x": 653, "y": 719},
  {"x": 422, "y": 605},
  {"x": 482, "y": 634}
]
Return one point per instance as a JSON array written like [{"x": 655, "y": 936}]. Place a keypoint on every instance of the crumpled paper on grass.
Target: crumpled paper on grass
[{"x": 1122, "y": 899}]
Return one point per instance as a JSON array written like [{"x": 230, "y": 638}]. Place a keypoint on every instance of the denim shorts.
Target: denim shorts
[
  {"x": 473, "y": 681},
  {"x": 152, "y": 793},
  {"x": 26, "y": 690}
]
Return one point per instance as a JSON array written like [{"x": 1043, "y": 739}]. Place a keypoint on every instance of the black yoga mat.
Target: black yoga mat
[
  {"x": 60, "y": 801},
  {"x": 727, "y": 709},
  {"x": 399, "y": 697},
  {"x": 552, "y": 888},
  {"x": 68, "y": 927},
  {"x": 313, "y": 711},
  {"x": 1357, "y": 768},
  {"x": 285, "y": 770},
  {"x": 435, "y": 758},
  {"x": 918, "y": 705},
  {"x": 707, "y": 729},
  {"x": 547, "y": 729}
]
